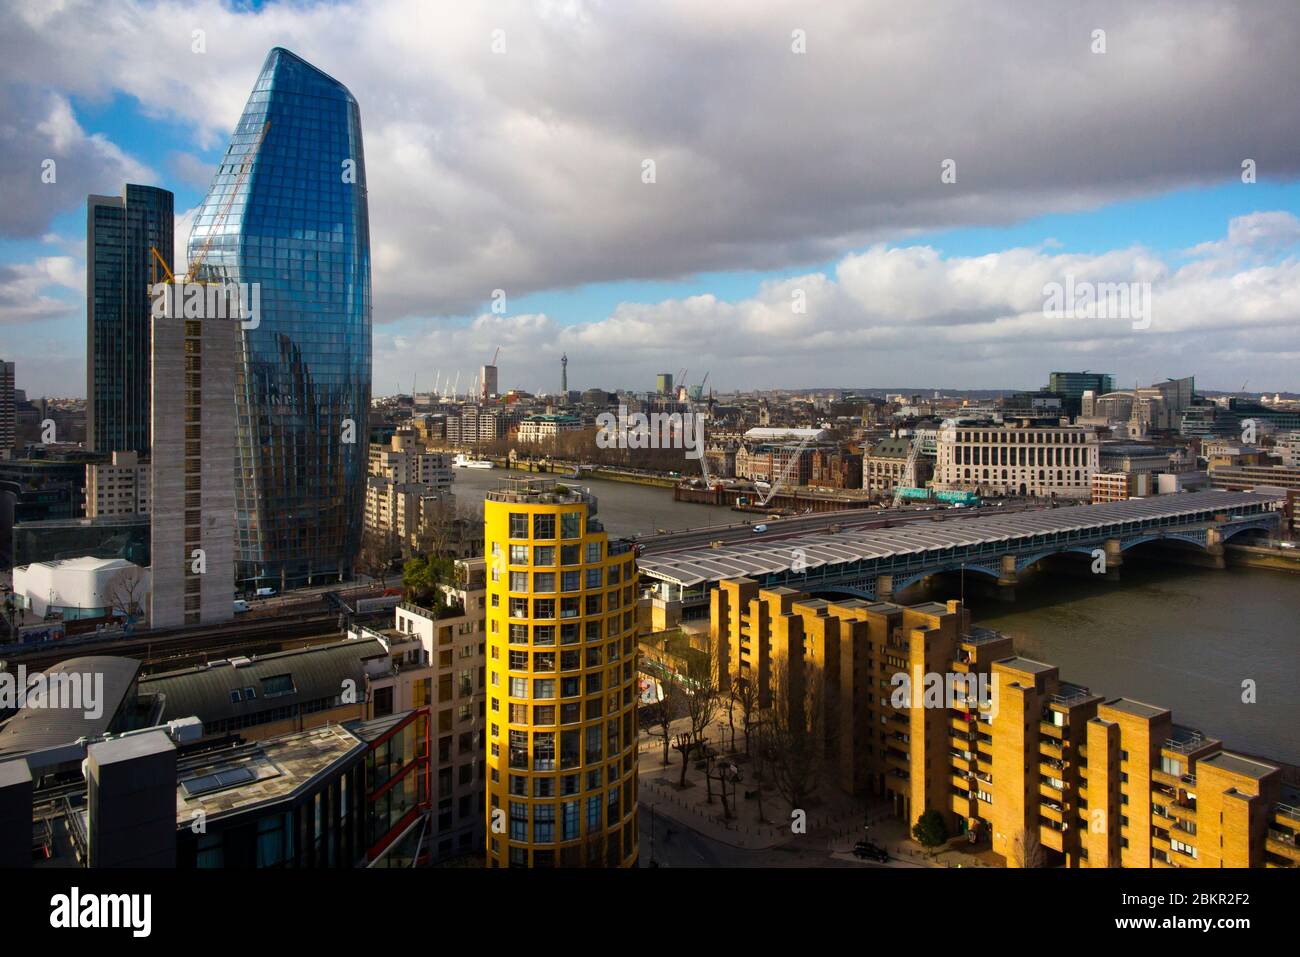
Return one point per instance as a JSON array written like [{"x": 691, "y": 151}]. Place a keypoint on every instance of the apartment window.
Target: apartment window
[
  {"x": 518, "y": 607},
  {"x": 571, "y": 525},
  {"x": 593, "y": 553},
  {"x": 543, "y": 607},
  {"x": 518, "y": 661},
  {"x": 593, "y": 630},
  {"x": 519, "y": 581},
  {"x": 518, "y": 821},
  {"x": 519, "y": 525},
  {"x": 519, "y": 687},
  {"x": 543, "y": 526},
  {"x": 570, "y": 554},
  {"x": 543, "y": 634},
  {"x": 544, "y": 824},
  {"x": 543, "y": 688},
  {"x": 544, "y": 581},
  {"x": 518, "y": 634},
  {"x": 544, "y": 661},
  {"x": 544, "y": 751},
  {"x": 544, "y": 555},
  {"x": 518, "y": 554},
  {"x": 570, "y": 581},
  {"x": 593, "y": 814},
  {"x": 569, "y": 821}
]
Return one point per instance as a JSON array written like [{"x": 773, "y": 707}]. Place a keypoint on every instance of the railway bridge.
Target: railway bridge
[{"x": 878, "y": 563}]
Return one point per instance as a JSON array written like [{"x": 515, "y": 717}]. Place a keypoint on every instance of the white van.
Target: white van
[
  {"x": 265, "y": 592},
  {"x": 240, "y": 606}
]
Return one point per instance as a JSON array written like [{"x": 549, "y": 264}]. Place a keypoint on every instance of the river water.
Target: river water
[{"x": 1174, "y": 636}]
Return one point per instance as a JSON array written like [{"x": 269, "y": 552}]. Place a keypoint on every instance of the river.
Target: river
[{"x": 1178, "y": 637}]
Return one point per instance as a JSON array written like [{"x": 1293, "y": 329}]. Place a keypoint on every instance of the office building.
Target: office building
[
  {"x": 884, "y": 467},
  {"x": 117, "y": 487},
  {"x": 664, "y": 383},
  {"x": 562, "y": 772},
  {"x": 1028, "y": 457},
  {"x": 8, "y": 409},
  {"x": 1071, "y": 386},
  {"x": 546, "y": 428},
  {"x": 1047, "y": 771},
  {"x": 488, "y": 387},
  {"x": 298, "y": 228},
  {"x": 192, "y": 471},
  {"x": 120, "y": 231}
]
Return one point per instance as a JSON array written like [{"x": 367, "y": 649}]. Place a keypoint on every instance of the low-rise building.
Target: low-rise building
[
  {"x": 118, "y": 487},
  {"x": 1049, "y": 772},
  {"x": 538, "y": 429}
]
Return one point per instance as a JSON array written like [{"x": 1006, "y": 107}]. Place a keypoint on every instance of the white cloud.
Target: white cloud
[{"x": 909, "y": 316}]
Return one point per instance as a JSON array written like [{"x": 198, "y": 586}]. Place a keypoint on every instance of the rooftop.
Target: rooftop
[
  {"x": 258, "y": 773},
  {"x": 1136, "y": 708},
  {"x": 1236, "y": 764}
]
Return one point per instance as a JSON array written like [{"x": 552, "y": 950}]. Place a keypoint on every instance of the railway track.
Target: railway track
[{"x": 173, "y": 647}]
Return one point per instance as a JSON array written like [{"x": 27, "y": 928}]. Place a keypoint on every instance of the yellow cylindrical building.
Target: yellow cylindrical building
[{"x": 561, "y": 640}]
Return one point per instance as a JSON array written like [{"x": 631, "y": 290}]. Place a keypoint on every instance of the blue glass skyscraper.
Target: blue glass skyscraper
[{"x": 295, "y": 222}]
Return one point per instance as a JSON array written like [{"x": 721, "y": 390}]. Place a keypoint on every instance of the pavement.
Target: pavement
[{"x": 681, "y": 828}]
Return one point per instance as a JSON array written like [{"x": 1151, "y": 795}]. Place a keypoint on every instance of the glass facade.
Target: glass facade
[
  {"x": 119, "y": 232},
  {"x": 295, "y": 224}
]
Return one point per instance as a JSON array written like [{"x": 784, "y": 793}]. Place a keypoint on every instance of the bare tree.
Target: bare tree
[
  {"x": 794, "y": 732},
  {"x": 1026, "y": 849},
  {"x": 703, "y": 700},
  {"x": 378, "y": 549},
  {"x": 658, "y": 717},
  {"x": 684, "y": 744},
  {"x": 125, "y": 593},
  {"x": 745, "y": 693}
]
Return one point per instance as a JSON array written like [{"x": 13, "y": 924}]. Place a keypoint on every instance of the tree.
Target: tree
[
  {"x": 378, "y": 549},
  {"x": 448, "y": 530},
  {"x": 1026, "y": 850},
  {"x": 794, "y": 736},
  {"x": 745, "y": 694},
  {"x": 702, "y": 697},
  {"x": 930, "y": 829},
  {"x": 684, "y": 743},
  {"x": 658, "y": 717},
  {"x": 422, "y": 577},
  {"x": 125, "y": 593}
]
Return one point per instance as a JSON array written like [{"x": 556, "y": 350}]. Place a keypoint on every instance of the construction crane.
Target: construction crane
[
  {"x": 218, "y": 221},
  {"x": 908, "y": 478},
  {"x": 494, "y": 356}
]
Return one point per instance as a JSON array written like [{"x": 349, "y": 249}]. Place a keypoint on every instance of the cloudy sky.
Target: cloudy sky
[{"x": 799, "y": 230}]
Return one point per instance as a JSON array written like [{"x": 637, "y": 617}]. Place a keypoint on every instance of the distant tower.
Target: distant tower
[{"x": 564, "y": 376}]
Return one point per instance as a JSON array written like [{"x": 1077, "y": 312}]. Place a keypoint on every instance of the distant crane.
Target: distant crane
[{"x": 908, "y": 478}]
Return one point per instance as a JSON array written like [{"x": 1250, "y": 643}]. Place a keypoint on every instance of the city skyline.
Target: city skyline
[{"x": 902, "y": 275}]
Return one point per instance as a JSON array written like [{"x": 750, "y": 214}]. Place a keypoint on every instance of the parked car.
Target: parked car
[{"x": 870, "y": 852}]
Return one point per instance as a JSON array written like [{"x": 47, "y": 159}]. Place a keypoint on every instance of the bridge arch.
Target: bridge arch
[{"x": 908, "y": 580}]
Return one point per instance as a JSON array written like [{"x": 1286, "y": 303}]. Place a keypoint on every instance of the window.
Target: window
[
  {"x": 518, "y": 821},
  {"x": 544, "y": 607},
  {"x": 544, "y": 581},
  {"x": 519, "y": 687},
  {"x": 569, "y": 823},
  {"x": 519, "y": 525},
  {"x": 519, "y": 581},
  {"x": 593, "y": 553},
  {"x": 543, "y": 526},
  {"x": 593, "y": 577},
  {"x": 544, "y": 824},
  {"x": 543, "y": 634},
  {"x": 544, "y": 751},
  {"x": 543, "y": 688},
  {"x": 518, "y": 554},
  {"x": 570, "y": 554},
  {"x": 571, "y": 525},
  {"x": 544, "y": 555}
]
